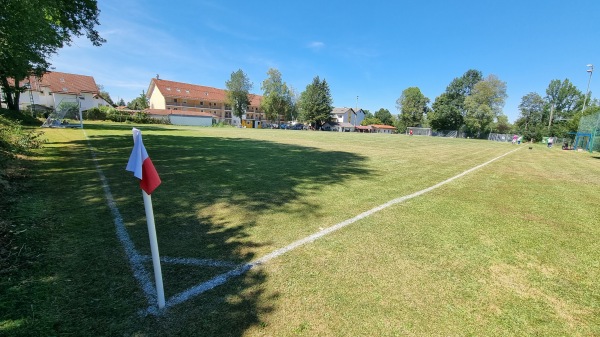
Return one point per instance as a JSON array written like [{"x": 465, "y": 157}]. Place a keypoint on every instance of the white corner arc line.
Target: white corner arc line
[
  {"x": 224, "y": 277},
  {"x": 135, "y": 259}
]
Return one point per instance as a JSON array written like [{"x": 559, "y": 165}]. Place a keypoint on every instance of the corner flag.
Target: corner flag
[
  {"x": 143, "y": 169},
  {"x": 141, "y": 165}
]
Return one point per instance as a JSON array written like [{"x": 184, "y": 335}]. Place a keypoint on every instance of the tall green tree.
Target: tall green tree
[
  {"x": 485, "y": 104},
  {"x": 31, "y": 31},
  {"x": 139, "y": 103},
  {"x": 412, "y": 105},
  {"x": 445, "y": 114},
  {"x": 277, "y": 98},
  {"x": 565, "y": 98},
  {"x": 315, "y": 103},
  {"x": 449, "y": 108},
  {"x": 385, "y": 116},
  {"x": 531, "y": 112},
  {"x": 238, "y": 91}
]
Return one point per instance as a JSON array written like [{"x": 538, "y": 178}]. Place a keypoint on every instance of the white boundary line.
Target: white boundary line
[
  {"x": 191, "y": 261},
  {"x": 223, "y": 278}
]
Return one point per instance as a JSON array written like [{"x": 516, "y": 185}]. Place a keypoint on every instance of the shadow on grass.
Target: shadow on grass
[{"x": 213, "y": 188}]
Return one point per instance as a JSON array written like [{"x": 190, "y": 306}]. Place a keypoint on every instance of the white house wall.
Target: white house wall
[
  {"x": 188, "y": 120},
  {"x": 157, "y": 100}
]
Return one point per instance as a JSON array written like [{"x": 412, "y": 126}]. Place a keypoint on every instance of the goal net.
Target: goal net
[
  {"x": 68, "y": 110},
  {"x": 418, "y": 131}
]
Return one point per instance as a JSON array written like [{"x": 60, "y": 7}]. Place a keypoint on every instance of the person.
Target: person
[
  {"x": 410, "y": 132},
  {"x": 514, "y": 141},
  {"x": 550, "y": 141},
  {"x": 519, "y": 140}
]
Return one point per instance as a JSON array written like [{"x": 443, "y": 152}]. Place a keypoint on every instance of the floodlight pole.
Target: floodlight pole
[{"x": 590, "y": 70}]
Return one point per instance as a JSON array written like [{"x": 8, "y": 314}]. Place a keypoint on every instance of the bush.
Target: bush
[
  {"x": 96, "y": 114},
  {"x": 14, "y": 140},
  {"x": 24, "y": 119}
]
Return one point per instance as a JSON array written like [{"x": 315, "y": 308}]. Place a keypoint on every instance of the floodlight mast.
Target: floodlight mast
[{"x": 589, "y": 70}]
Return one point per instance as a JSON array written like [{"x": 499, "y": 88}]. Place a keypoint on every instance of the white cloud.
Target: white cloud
[{"x": 316, "y": 45}]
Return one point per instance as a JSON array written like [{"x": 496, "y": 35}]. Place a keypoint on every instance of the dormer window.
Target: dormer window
[
  {"x": 178, "y": 90},
  {"x": 187, "y": 91},
  {"x": 168, "y": 89},
  {"x": 62, "y": 80},
  {"x": 65, "y": 89}
]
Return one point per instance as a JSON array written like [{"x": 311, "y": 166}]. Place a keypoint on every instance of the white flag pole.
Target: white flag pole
[{"x": 154, "y": 248}]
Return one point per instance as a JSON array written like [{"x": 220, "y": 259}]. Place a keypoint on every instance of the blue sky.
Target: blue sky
[{"x": 370, "y": 49}]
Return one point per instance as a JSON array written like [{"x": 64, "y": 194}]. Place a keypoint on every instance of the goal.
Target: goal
[{"x": 418, "y": 131}]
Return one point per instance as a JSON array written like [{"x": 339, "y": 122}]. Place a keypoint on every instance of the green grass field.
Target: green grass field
[{"x": 509, "y": 249}]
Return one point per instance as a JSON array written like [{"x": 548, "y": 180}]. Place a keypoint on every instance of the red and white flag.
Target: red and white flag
[{"x": 141, "y": 165}]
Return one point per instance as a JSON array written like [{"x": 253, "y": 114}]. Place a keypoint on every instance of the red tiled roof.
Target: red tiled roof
[
  {"x": 166, "y": 112},
  {"x": 192, "y": 91},
  {"x": 62, "y": 83},
  {"x": 382, "y": 126}
]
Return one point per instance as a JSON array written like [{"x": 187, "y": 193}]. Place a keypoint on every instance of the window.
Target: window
[
  {"x": 187, "y": 91},
  {"x": 175, "y": 100},
  {"x": 201, "y": 103},
  {"x": 178, "y": 90},
  {"x": 62, "y": 80},
  {"x": 168, "y": 89}
]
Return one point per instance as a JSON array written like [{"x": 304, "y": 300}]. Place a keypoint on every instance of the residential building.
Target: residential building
[
  {"x": 184, "y": 97},
  {"x": 338, "y": 126},
  {"x": 380, "y": 128},
  {"x": 347, "y": 115},
  {"x": 54, "y": 88}
]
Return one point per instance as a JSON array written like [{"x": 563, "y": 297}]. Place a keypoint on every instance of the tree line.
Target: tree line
[{"x": 471, "y": 104}]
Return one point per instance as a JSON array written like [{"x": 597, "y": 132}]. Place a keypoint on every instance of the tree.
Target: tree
[
  {"x": 31, "y": 31},
  {"x": 462, "y": 86},
  {"x": 277, "y": 98},
  {"x": 502, "y": 125},
  {"x": 315, "y": 103},
  {"x": 139, "y": 103},
  {"x": 445, "y": 114},
  {"x": 385, "y": 116},
  {"x": 565, "y": 97},
  {"x": 449, "y": 108},
  {"x": 371, "y": 121},
  {"x": 121, "y": 102},
  {"x": 104, "y": 94},
  {"x": 412, "y": 105},
  {"x": 531, "y": 112},
  {"x": 485, "y": 104},
  {"x": 238, "y": 89}
]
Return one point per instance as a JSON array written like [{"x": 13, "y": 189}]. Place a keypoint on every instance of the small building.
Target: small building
[
  {"x": 182, "y": 117},
  {"x": 364, "y": 128},
  {"x": 380, "y": 128}
]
